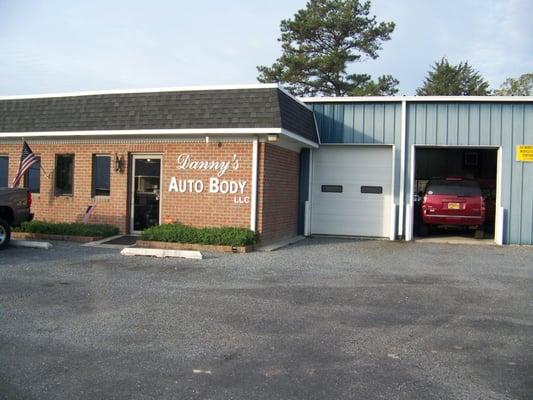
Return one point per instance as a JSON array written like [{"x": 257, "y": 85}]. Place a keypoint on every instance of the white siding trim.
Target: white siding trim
[
  {"x": 409, "y": 212},
  {"x": 398, "y": 99},
  {"x": 403, "y": 155},
  {"x": 299, "y": 138},
  {"x": 392, "y": 235},
  {"x": 499, "y": 216},
  {"x": 148, "y": 132},
  {"x": 162, "y": 132}
]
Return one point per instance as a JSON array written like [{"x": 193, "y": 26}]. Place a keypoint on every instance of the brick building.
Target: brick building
[
  {"x": 250, "y": 156},
  {"x": 227, "y": 156}
]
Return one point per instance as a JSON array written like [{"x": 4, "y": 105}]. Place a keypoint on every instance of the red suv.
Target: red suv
[{"x": 452, "y": 201}]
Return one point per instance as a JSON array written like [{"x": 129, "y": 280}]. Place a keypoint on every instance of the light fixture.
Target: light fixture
[
  {"x": 272, "y": 138},
  {"x": 119, "y": 162}
]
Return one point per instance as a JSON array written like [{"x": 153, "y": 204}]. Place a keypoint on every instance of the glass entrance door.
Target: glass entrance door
[{"x": 146, "y": 191}]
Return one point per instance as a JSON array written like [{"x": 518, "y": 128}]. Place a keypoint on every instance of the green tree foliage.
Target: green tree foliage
[
  {"x": 446, "y": 79},
  {"x": 319, "y": 43},
  {"x": 521, "y": 86}
]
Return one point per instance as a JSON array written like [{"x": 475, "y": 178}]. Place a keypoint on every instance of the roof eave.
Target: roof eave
[
  {"x": 160, "y": 132},
  {"x": 399, "y": 99}
]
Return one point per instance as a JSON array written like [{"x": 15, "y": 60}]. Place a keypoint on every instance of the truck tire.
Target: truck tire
[{"x": 5, "y": 234}]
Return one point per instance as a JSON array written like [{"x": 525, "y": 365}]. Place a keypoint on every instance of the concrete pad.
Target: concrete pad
[
  {"x": 282, "y": 243},
  {"x": 456, "y": 240},
  {"x": 31, "y": 244},
  {"x": 135, "y": 251}
]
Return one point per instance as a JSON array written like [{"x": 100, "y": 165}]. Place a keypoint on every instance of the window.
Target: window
[
  {"x": 32, "y": 177},
  {"x": 101, "y": 175},
  {"x": 64, "y": 174},
  {"x": 453, "y": 187},
  {"x": 4, "y": 164},
  {"x": 372, "y": 189},
  {"x": 332, "y": 188}
]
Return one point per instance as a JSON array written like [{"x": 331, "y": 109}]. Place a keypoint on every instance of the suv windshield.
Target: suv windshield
[{"x": 453, "y": 188}]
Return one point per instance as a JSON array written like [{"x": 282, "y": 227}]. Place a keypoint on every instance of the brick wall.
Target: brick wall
[
  {"x": 277, "y": 196},
  {"x": 197, "y": 209},
  {"x": 277, "y": 211}
]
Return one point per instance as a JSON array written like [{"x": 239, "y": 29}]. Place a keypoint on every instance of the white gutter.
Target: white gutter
[
  {"x": 397, "y": 99},
  {"x": 141, "y": 132},
  {"x": 253, "y": 200}
]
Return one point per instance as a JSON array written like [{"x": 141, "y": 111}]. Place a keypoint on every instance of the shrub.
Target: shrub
[
  {"x": 227, "y": 236},
  {"x": 62, "y": 228}
]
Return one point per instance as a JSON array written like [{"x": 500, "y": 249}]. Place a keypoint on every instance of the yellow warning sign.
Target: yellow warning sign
[{"x": 524, "y": 153}]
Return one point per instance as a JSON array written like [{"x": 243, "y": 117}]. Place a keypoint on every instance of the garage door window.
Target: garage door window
[
  {"x": 372, "y": 189},
  {"x": 332, "y": 188}
]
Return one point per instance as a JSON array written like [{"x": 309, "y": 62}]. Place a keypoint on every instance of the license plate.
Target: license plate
[{"x": 453, "y": 206}]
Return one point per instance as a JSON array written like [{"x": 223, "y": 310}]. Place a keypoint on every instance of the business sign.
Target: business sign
[
  {"x": 214, "y": 184},
  {"x": 524, "y": 153}
]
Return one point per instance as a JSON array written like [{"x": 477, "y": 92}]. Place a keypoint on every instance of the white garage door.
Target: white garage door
[{"x": 351, "y": 191}]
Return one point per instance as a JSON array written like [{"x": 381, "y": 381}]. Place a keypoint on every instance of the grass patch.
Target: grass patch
[
  {"x": 71, "y": 229},
  {"x": 226, "y": 236}
]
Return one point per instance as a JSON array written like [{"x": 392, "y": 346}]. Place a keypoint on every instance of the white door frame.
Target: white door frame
[
  {"x": 498, "y": 217},
  {"x": 143, "y": 156}
]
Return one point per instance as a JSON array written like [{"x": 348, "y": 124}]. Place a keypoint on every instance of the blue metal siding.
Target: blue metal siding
[
  {"x": 445, "y": 123},
  {"x": 363, "y": 123}
]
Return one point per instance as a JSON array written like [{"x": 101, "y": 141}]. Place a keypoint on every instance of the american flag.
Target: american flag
[{"x": 27, "y": 159}]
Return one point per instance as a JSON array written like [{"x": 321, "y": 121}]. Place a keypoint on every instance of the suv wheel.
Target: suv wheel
[{"x": 5, "y": 234}]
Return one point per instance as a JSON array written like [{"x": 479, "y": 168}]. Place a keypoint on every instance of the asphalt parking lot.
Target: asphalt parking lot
[{"x": 322, "y": 319}]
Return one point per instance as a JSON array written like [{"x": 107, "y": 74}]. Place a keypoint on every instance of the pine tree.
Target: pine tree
[
  {"x": 446, "y": 79},
  {"x": 319, "y": 43}
]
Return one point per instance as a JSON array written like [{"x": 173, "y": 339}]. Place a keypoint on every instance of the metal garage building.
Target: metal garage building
[{"x": 363, "y": 175}]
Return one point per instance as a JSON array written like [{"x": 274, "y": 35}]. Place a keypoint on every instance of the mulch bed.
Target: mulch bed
[
  {"x": 47, "y": 236},
  {"x": 192, "y": 246}
]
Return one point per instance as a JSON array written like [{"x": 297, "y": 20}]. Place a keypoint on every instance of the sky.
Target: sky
[{"x": 51, "y": 46}]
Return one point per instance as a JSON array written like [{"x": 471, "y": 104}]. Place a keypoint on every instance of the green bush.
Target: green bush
[
  {"x": 178, "y": 233},
  {"x": 74, "y": 229}
]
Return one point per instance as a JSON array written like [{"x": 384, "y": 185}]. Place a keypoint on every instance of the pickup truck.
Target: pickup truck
[{"x": 14, "y": 209}]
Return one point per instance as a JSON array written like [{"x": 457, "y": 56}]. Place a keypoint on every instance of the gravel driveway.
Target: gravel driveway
[{"x": 322, "y": 319}]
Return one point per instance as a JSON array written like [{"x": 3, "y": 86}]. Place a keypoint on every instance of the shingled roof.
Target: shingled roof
[{"x": 245, "y": 108}]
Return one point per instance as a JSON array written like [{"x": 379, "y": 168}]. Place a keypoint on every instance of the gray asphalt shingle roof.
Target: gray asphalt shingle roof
[{"x": 267, "y": 107}]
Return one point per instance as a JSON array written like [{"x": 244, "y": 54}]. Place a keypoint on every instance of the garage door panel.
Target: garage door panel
[
  {"x": 350, "y": 204},
  {"x": 352, "y": 212}
]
